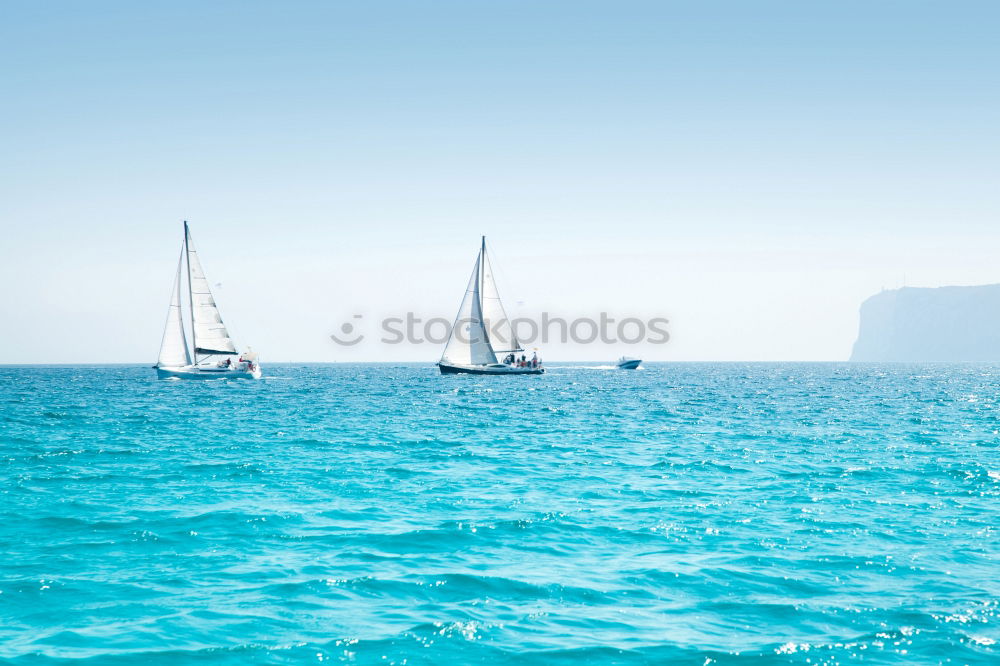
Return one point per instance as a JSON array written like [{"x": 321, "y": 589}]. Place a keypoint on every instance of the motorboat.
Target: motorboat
[{"x": 628, "y": 363}]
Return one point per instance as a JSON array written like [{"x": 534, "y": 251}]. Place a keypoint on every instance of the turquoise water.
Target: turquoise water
[{"x": 375, "y": 514}]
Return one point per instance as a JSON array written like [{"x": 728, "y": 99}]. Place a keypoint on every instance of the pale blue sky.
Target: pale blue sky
[{"x": 751, "y": 170}]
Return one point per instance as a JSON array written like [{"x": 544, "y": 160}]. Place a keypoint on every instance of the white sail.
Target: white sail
[
  {"x": 499, "y": 327},
  {"x": 173, "y": 348},
  {"x": 210, "y": 334},
  {"x": 469, "y": 343}
]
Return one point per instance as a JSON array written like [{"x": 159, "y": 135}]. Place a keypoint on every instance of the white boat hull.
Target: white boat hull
[{"x": 202, "y": 372}]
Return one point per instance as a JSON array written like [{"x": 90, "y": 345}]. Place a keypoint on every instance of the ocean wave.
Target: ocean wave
[{"x": 707, "y": 514}]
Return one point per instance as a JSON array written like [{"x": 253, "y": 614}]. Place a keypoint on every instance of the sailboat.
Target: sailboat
[
  {"x": 213, "y": 354},
  {"x": 470, "y": 348}
]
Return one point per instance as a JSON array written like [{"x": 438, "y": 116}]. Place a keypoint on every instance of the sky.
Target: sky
[{"x": 750, "y": 171}]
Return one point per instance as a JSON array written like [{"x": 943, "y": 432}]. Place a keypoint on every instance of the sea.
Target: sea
[{"x": 385, "y": 514}]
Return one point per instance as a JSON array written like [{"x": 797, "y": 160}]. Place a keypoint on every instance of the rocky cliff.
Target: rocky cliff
[{"x": 943, "y": 324}]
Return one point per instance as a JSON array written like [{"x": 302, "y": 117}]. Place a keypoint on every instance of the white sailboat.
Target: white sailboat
[
  {"x": 213, "y": 354},
  {"x": 482, "y": 331}
]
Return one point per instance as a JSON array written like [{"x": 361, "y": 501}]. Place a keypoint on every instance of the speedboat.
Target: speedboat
[
  {"x": 628, "y": 363},
  {"x": 470, "y": 349},
  {"x": 212, "y": 354}
]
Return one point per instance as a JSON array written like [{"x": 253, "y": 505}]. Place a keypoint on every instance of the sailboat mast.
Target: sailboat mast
[
  {"x": 482, "y": 273},
  {"x": 187, "y": 255},
  {"x": 479, "y": 288}
]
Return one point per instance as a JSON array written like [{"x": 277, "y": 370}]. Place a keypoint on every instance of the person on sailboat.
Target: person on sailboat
[{"x": 534, "y": 360}]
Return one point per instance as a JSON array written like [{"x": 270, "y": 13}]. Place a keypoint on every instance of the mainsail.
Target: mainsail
[
  {"x": 209, "y": 333},
  {"x": 501, "y": 331},
  {"x": 469, "y": 342},
  {"x": 173, "y": 348}
]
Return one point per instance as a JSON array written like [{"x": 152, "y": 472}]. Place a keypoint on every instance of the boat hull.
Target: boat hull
[
  {"x": 631, "y": 364},
  {"x": 195, "y": 372},
  {"x": 498, "y": 369}
]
